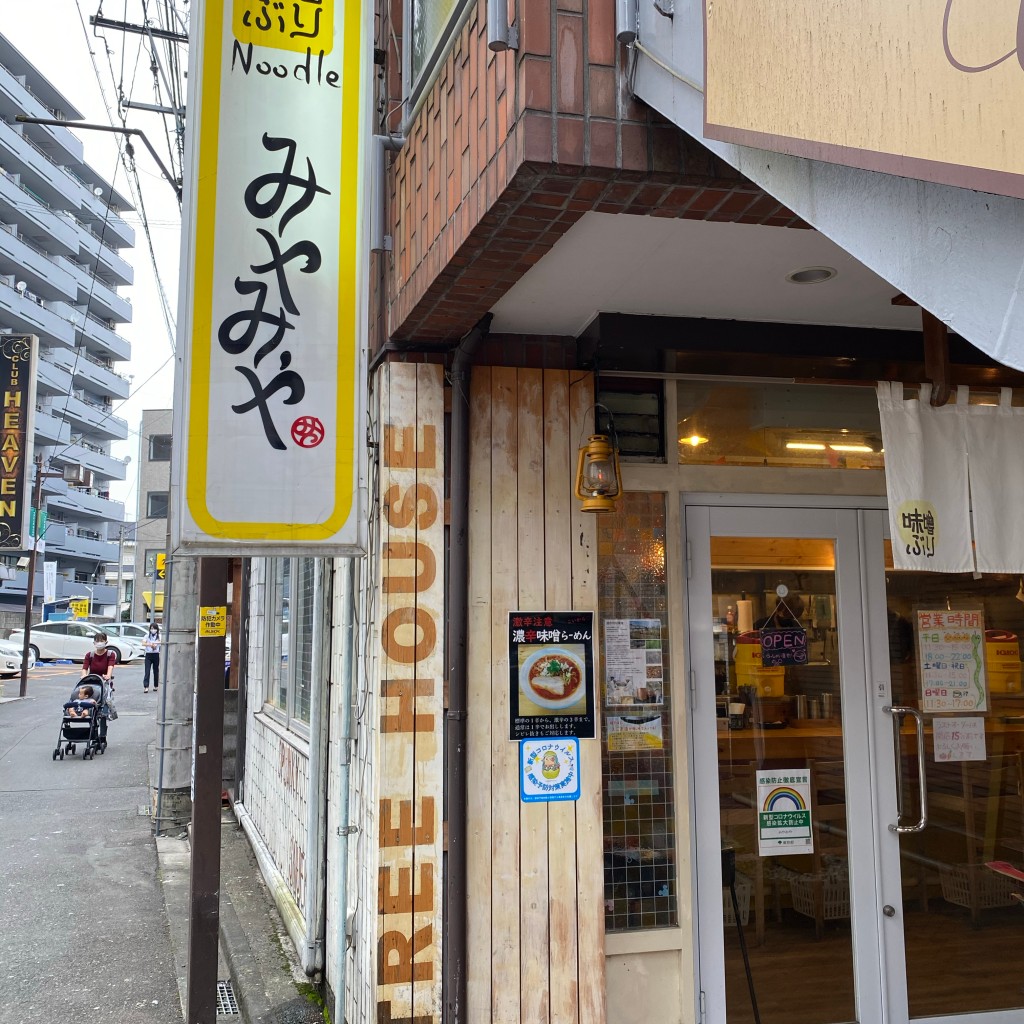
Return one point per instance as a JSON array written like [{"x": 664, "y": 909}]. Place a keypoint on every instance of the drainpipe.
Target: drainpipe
[
  {"x": 345, "y": 669},
  {"x": 312, "y": 953},
  {"x": 454, "y": 974}
]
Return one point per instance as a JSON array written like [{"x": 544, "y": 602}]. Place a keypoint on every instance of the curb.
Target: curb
[{"x": 246, "y": 978}]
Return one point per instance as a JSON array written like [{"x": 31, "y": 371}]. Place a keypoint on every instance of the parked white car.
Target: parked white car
[
  {"x": 134, "y": 631},
  {"x": 70, "y": 640},
  {"x": 10, "y": 659}
]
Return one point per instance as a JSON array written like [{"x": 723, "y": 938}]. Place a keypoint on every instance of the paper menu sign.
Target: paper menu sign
[
  {"x": 959, "y": 739},
  {"x": 634, "y": 663},
  {"x": 951, "y": 659}
]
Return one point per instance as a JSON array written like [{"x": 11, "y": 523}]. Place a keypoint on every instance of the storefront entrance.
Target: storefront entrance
[{"x": 813, "y": 742}]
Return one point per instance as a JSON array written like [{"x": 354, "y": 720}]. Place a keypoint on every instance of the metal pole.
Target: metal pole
[
  {"x": 30, "y": 588},
  {"x": 207, "y": 758},
  {"x": 120, "y": 571}
]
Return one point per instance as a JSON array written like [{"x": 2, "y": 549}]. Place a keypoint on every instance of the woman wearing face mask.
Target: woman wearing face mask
[
  {"x": 100, "y": 660},
  {"x": 152, "y": 647}
]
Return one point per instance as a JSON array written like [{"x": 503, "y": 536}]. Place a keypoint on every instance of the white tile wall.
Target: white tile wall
[{"x": 276, "y": 785}]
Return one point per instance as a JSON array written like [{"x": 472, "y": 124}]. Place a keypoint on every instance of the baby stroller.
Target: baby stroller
[{"x": 90, "y": 731}]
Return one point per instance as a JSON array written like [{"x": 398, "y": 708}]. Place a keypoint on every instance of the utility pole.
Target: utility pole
[
  {"x": 120, "y": 570},
  {"x": 208, "y": 756},
  {"x": 37, "y": 501}
]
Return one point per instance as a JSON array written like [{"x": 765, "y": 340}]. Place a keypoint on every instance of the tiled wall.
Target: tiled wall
[{"x": 276, "y": 764}]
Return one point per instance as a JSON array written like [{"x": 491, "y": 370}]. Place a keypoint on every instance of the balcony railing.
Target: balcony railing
[
  {"x": 33, "y": 317},
  {"x": 35, "y": 265},
  {"x": 33, "y": 214}
]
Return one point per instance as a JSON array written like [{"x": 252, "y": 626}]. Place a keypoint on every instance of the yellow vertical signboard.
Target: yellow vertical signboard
[{"x": 270, "y": 395}]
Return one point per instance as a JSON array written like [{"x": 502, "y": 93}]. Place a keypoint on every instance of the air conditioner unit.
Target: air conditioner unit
[{"x": 78, "y": 475}]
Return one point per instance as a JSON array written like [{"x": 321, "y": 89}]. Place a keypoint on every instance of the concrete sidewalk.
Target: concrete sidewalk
[{"x": 264, "y": 983}]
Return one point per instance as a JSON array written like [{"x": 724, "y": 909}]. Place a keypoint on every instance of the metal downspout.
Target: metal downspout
[
  {"x": 454, "y": 971},
  {"x": 347, "y": 603},
  {"x": 312, "y": 953}
]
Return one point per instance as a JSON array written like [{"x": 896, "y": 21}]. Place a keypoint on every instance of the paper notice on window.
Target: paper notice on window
[
  {"x": 959, "y": 739},
  {"x": 951, "y": 660},
  {"x": 633, "y": 663}
]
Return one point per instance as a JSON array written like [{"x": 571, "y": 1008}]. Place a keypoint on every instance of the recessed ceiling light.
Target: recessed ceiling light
[
  {"x": 851, "y": 448},
  {"x": 811, "y": 275},
  {"x": 805, "y": 446}
]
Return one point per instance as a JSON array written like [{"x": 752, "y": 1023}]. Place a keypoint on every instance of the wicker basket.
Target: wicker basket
[
  {"x": 836, "y": 895},
  {"x": 991, "y": 889},
  {"x": 743, "y": 890}
]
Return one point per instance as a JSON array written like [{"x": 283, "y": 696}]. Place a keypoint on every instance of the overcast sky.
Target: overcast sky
[{"x": 50, "y": 35}]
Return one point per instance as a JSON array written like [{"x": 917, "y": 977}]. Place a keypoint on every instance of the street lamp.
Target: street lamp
[{"x": 30, "y": 588}]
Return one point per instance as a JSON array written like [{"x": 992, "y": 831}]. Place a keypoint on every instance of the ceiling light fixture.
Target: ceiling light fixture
[
  {"x": 852, "y": 448},
  {"x": 811, "y": 275},
  {"x": 805, "y": 446},
  {"x": 693, "y": 440}
]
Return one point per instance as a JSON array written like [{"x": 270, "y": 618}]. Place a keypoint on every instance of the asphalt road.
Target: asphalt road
[{"x": 83, "y": 929}]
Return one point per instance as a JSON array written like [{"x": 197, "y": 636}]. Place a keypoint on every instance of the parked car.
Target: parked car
[
  {"x": 10, "y": 659},
  {"x": 134, "y": 631},
  {"x": 69, "y": 639}
]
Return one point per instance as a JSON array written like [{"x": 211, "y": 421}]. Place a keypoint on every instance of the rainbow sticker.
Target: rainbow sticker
[
  {"x": 784, "y": 814},
  {"x": 785, "y": 798}
]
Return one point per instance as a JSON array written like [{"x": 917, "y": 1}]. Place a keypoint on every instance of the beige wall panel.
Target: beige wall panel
[
  {"x": 480, "y": 688},
  {"x": 505, "y": 850},
  {"x": 558, "y": 475},
  {"x": 811, "y": 78},
  {"x": 427, "y": 575},
  {"x": 410, "y": 668},
  {"x": 533, "y": 817},
  {"x": 589, "y": 833},
  {"x": 643, "y": 988}
]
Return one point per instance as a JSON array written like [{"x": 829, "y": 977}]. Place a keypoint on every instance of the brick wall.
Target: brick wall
[{"x": 509, "y": 150}]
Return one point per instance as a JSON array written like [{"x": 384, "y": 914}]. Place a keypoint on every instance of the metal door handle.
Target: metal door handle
[{"x": 922, "y": 766}]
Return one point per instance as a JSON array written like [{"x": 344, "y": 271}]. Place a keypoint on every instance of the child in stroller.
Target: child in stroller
[{"x": 85, "y": 719}]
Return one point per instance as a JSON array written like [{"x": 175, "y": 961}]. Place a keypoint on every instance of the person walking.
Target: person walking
[
  {"x": 151, "y": 646},
  {"x": 100, "y": 660}
]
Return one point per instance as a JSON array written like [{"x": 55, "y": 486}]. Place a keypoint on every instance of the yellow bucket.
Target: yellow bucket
[
  {"x": 770, "y": 682},
  {"x": 1002, "y": 659}
]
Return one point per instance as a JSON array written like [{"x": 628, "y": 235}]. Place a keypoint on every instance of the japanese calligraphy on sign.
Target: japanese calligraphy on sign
[
  {"x": 784, "y": 812},
  {"x": 551, "y": 675},
  {"x": 270, "y": 393},
  {"x": 951, "y": 659},
  {"x": 918, "y": 528}
]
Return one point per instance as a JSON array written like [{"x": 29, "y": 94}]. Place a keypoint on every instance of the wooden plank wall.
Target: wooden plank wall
[
  {"x": 536, "y": 919},
  {"x": 410, "y": 755}
]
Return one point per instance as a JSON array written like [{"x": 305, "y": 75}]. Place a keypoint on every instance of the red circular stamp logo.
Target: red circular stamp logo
[{"x": 307, "y": 431}]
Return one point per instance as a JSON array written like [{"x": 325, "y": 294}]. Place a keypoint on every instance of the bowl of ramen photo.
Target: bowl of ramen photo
[{"x": 552, "y": 677}]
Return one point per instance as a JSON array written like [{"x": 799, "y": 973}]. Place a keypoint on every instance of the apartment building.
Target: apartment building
[
  {"x": 151, "y": 528},
  {"x": 60, "y": 270}
]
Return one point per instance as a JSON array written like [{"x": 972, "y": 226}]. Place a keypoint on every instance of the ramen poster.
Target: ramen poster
[{"x": 551, "y": 675}]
